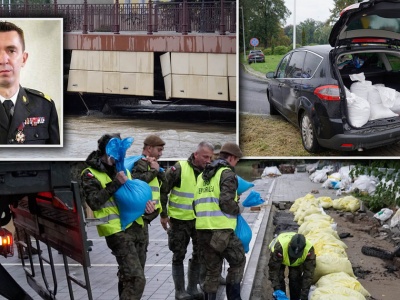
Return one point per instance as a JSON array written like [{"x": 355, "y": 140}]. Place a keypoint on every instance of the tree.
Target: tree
[
  {"x": 339, "y": 5},
  {"x": 266, "y": 18}
]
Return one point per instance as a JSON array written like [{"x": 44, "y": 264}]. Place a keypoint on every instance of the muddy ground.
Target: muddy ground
[{"x": 380, "y": 277}]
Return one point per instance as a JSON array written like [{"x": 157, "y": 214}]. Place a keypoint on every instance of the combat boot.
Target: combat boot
[
  {"x": 178, "y": 275},
  {"x": 210, "y": 296},
  {"x": 193, "y": 280},
  {"x": 233, "y": 291}
]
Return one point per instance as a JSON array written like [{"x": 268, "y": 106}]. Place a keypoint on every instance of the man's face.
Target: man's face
[
  {"x": 202, "y": 157},
  {"x": 156, "y": 151},
  {"x": 12, "y": 59}
]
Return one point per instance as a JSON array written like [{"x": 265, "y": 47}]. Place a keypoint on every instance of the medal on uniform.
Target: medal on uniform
[{"x": 20, "y": 137}]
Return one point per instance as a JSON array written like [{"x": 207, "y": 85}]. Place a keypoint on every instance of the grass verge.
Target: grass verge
[{"x": 272, "y": 136}]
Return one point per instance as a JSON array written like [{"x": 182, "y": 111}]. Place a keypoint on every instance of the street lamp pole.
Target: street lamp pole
[
  {"x": 244, "y": 44},
  {"x": 294, "y": 25}
]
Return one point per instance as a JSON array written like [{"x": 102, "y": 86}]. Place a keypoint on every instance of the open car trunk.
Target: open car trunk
[{"x": 371, "y": 78}]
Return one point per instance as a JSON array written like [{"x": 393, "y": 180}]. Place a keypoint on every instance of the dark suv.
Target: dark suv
[{"x": 311, "y": 86}]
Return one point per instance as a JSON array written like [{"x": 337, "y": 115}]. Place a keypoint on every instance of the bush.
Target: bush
[
  {"x": 280, "y": 50},
  {"x": 267, "y": 51}
]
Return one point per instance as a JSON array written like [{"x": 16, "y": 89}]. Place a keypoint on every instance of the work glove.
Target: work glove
[{"x": 279, "y": 295}]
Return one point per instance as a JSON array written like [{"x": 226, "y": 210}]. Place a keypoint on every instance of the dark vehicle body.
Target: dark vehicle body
[
  {"x": 310, "y": 87},
  {"x": 256, "y": 56}
]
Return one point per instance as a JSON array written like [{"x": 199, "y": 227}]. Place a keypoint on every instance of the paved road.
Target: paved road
[{"x": 253, "y": 98}]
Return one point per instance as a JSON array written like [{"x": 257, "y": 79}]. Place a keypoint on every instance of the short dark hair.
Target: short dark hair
[{"x": 8, "y": 26}]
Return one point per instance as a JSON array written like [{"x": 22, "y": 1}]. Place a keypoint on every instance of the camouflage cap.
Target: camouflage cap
[
  {"x": 217, "y": 148},
  {"x": 103, "y": 141},
  {"x": 154, "y": 141},
  {"x": 233, "y": 149}
]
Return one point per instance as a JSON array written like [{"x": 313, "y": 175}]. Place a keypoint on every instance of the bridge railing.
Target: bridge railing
[{"x": 183, "y": 16}]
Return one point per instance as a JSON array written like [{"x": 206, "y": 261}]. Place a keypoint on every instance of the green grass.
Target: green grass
[{"x": 271, "y": 62}]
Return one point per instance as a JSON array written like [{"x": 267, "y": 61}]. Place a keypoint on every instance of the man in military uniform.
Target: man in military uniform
[
  {"x": 26, "y": 116},
  {"x": 180, "y": 219},
  {"x": 99, "y": 183},
  {"x": 216, "y": 208},
  {"x": 147, "y": 169},
  {"x": 292, "y": 250}
]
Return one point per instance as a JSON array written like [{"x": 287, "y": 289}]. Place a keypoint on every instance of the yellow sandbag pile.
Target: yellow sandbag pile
[
  {"x": 348, "y": 203},
  {"x": 325, "y": 202},
  {"x": 307, "y": 199},
  {"x": 332, "y": 263},
  {"x": 341, "y": 279},
  {"x": 305, "y": 211},
  {"x": 335, "y": 293}
]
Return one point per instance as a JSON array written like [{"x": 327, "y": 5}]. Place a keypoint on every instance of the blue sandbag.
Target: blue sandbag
[
  {"x": 131, "y": 160},
  {"x": 131, "y": 200},
  {"x": 116, "y": 148},
  {"x": 243, "y": 232},
  {"x": 132, "y": 196},
  {"x": 243, "y": 185},
  {"x": 253, "y": 199}
]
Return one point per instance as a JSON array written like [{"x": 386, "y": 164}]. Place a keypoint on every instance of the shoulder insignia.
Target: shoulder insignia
[
  {"x": 173, "y": 169},
  {"x": 90, "y": 175},
  {"x": 38, "y": 93}
]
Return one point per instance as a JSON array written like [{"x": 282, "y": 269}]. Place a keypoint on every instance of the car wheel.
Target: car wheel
[{"x": 308, "y": 137}]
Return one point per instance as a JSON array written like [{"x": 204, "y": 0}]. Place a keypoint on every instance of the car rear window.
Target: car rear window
[
  {"x": 311, "y": 64},
  {"x": 376, "y": 23}
]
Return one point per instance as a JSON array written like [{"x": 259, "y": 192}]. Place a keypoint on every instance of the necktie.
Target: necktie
[{"x": 9, "y": 107}]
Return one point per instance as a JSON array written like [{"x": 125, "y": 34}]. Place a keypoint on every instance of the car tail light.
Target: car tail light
[
  {"x": 328, "y": 92},
  {"x": 6, "y": 243},
  {"x": 368, "y": 40},
  {"x": 347, "y": 145}
]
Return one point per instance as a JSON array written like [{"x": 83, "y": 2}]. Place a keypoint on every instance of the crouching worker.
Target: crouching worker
[
  {"x": 100, "y": 181},
  {"x": 294, "y": 251}
]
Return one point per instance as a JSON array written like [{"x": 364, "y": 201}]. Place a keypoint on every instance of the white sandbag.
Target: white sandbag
[
  {"x": 396, "y": 105},
  {"x": 320, "y": 176},
  {"x": 384, "y": 214},
  {"x": 359, "y": 110},
  {"x": 364, "y": 183},
  {"x": 395, "y": 219},
  {"x": 388, "y": 95},
  {"x": 378, "y": 111},
  {"x": 271, "y": 171},
  {"x": 361, "y": 87}
]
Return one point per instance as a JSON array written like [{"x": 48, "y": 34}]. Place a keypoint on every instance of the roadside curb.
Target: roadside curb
[{"x": 252, "y": 72}]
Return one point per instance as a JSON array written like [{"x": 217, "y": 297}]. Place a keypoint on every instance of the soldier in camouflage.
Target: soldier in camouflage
[
  {"x": 148, "y": 169},
  {"x": 179, "y": 220},
  {"x": 99, "y": 182},
  {"x": 216, "y": 207},
  {"x": 292, "y": 250}
]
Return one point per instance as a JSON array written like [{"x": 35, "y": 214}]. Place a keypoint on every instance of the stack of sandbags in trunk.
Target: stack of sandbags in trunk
[
  {"x": 379, "y": 97},
  {"x": 331, "y": 258}
]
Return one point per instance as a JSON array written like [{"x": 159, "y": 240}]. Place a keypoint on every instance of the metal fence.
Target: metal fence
[{"x": 183, "y": 16}]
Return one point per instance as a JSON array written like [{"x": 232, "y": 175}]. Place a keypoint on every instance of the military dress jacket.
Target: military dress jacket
[{"x": 35, "y": 120}]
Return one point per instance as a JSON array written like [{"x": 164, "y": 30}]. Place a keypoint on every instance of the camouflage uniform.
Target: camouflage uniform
[
  {"x": 227, "y": 245},
  {"x": 142, "y": 171},
  {"x": 127, "y": 246},
  {"x": 182, "y": 230},
  {"x": 300, "y": 278}
]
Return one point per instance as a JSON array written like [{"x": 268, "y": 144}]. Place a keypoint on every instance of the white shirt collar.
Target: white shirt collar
[{"x": 13, "y": 98}]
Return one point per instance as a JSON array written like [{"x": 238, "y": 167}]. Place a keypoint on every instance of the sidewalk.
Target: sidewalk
[{"x": 159, "y": 285}]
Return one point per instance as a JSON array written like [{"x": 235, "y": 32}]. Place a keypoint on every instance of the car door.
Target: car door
[
  {"x": 277, "y": 82},
  {"x": 291, "y": 86}
]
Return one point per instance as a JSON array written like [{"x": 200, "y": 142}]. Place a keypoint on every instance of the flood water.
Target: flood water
[{"x": 81, "y": 133}]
